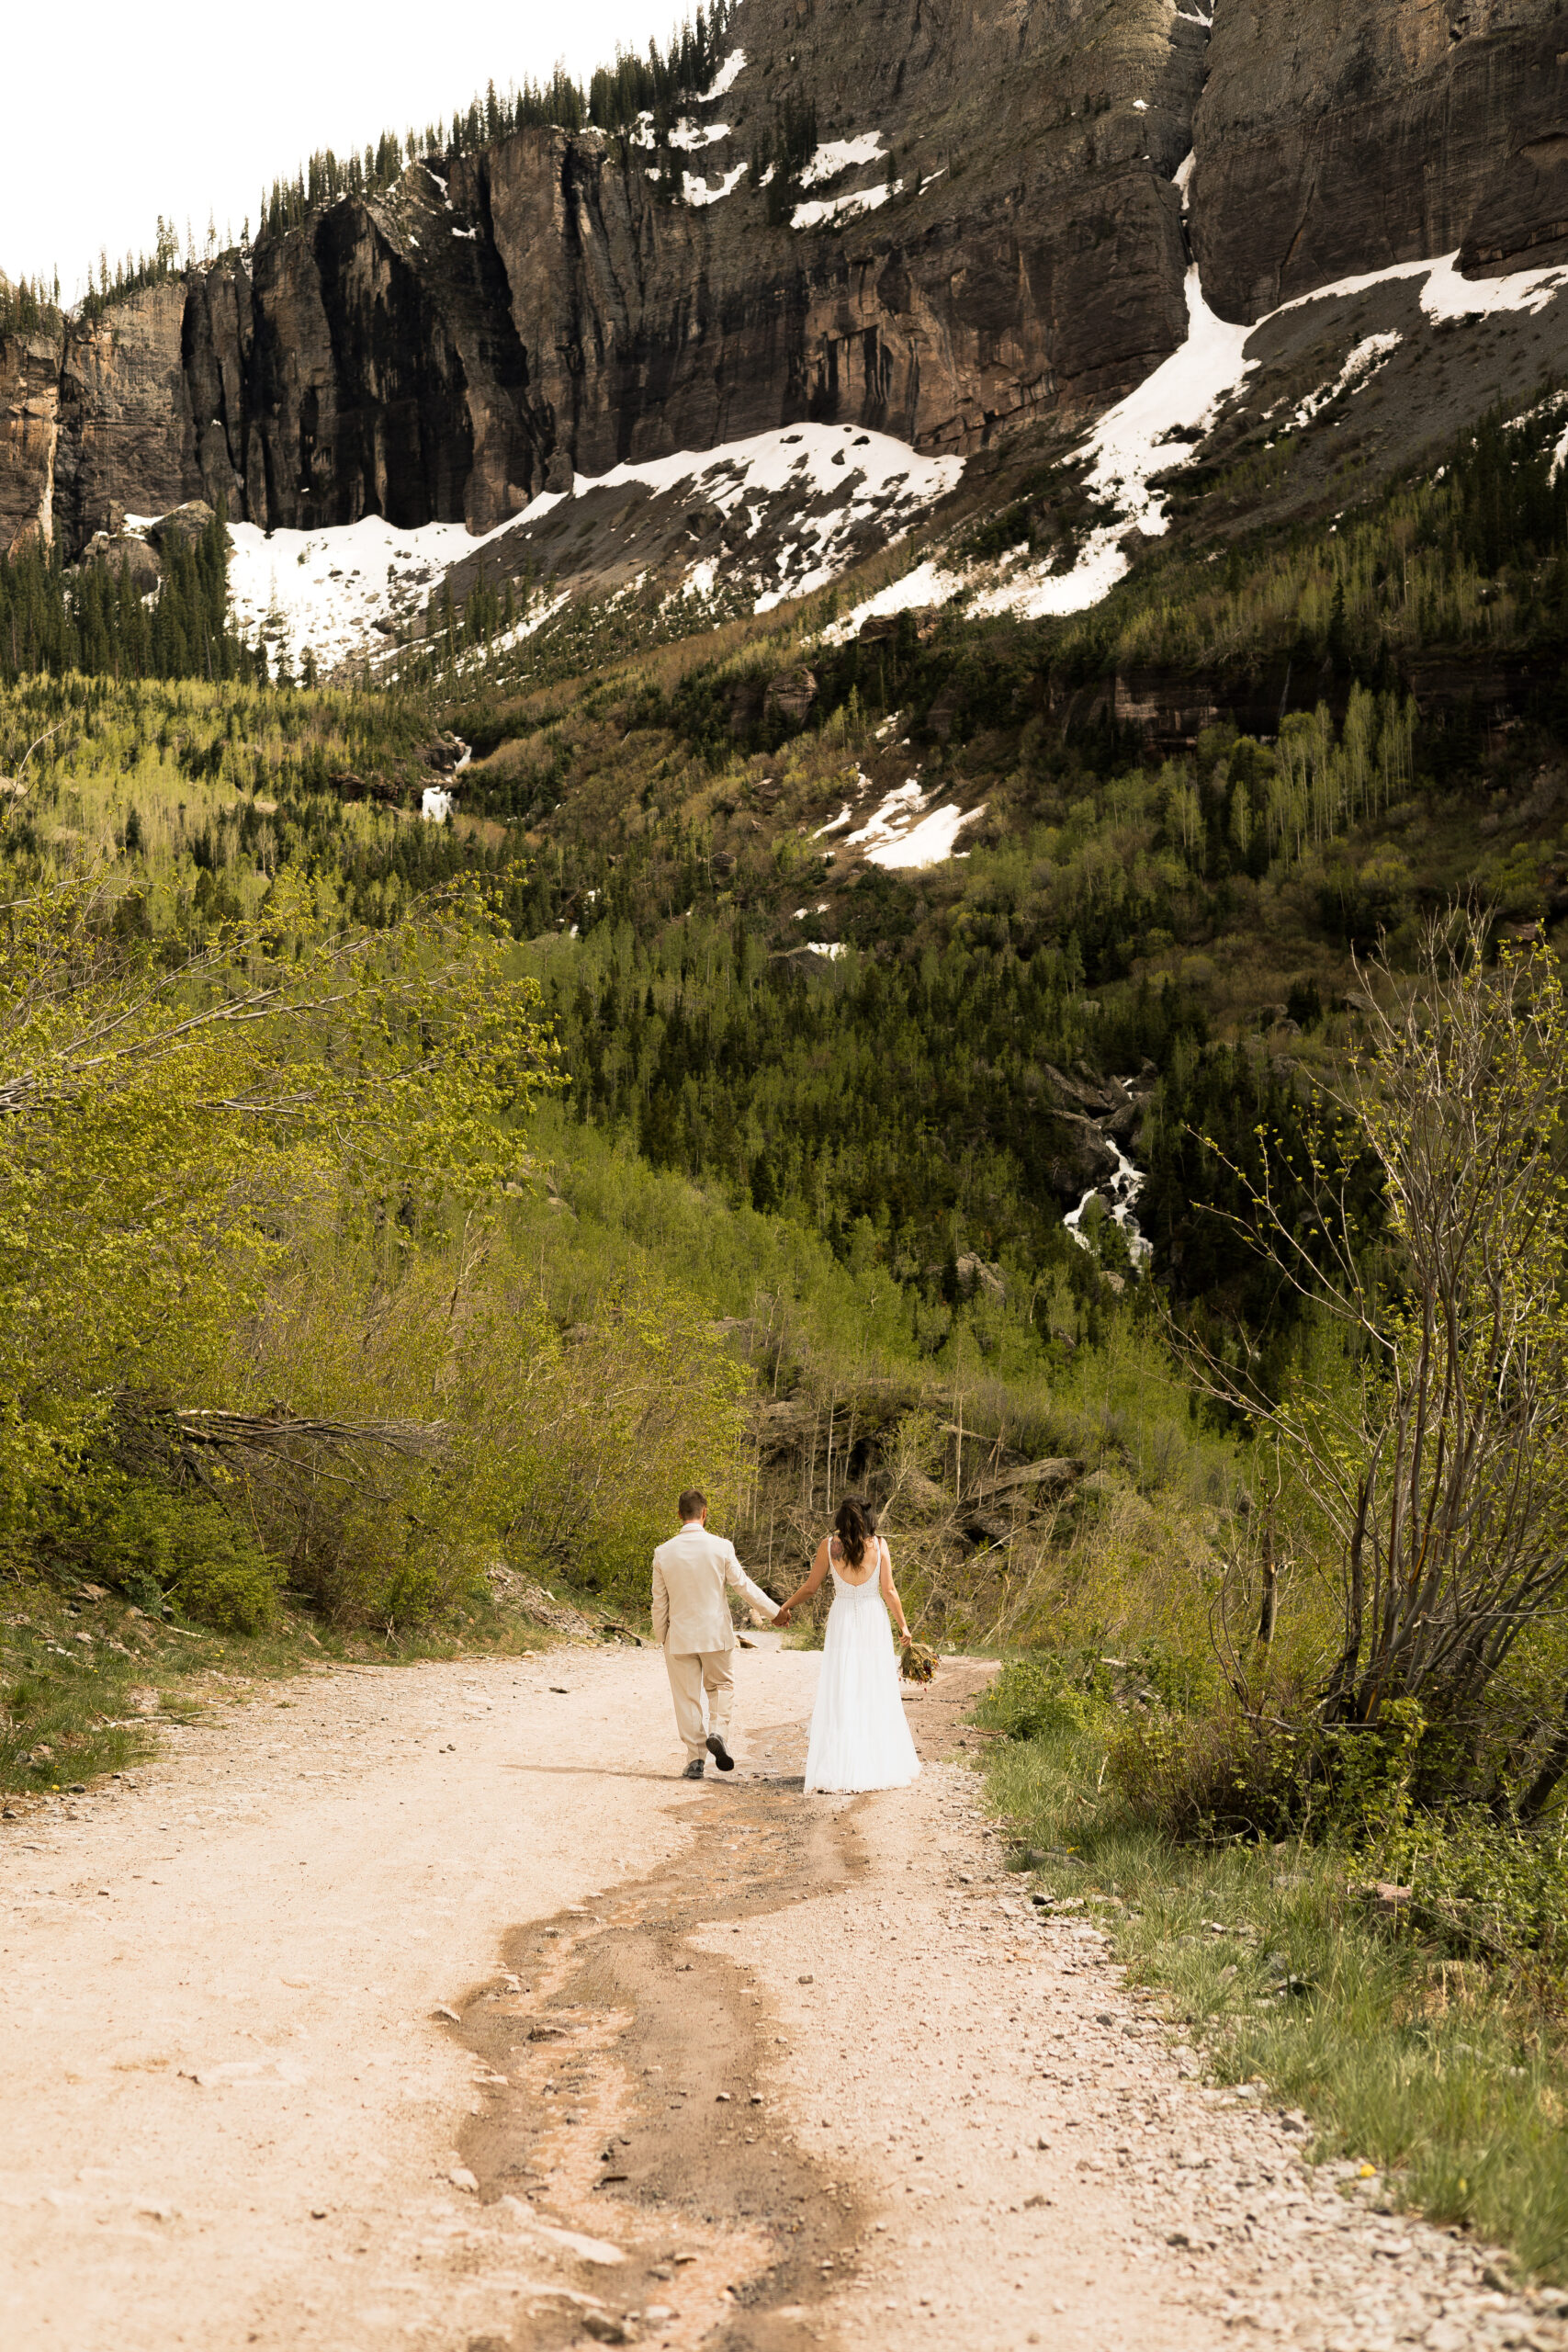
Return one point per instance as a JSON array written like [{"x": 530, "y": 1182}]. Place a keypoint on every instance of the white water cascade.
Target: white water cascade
[
  {"x": 435, "y": 803},
  {"x": 1120, "y": 1196}
]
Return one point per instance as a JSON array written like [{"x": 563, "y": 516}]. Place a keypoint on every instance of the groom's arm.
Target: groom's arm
[
  {"x": 660, "y": 1604},
  {"x": 735, "y": 1574}
]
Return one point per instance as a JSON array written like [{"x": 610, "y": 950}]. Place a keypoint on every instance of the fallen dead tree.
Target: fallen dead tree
[{"x": 191, "y": 1438}]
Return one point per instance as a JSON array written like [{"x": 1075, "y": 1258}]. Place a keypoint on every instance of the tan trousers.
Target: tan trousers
[{"x": 691, "y": 1673}]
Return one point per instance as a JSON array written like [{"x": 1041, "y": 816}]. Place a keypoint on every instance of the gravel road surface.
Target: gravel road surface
[{"x": 426, "y": 2006}]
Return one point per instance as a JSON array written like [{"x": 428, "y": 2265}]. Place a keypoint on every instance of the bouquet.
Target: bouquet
[{"x": 916, "y": 1662}]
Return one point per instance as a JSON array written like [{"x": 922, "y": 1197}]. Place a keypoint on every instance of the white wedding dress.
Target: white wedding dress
[{"x": 859, "y": 1738}]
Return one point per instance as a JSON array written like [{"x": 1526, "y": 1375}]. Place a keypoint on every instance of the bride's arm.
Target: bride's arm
[
  {"x": 819, "y": 1570},
  {"x": 890, "y": 1595}
]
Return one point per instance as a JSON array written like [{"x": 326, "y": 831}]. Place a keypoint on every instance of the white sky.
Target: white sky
[{"x": 118, "y": 112}]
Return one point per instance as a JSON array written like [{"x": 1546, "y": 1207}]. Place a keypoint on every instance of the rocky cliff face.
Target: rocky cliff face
[
  {"x": 1332, "y": 140},
  {"x": 993, "y": 235},
  {"x": 29, "y": 404}
]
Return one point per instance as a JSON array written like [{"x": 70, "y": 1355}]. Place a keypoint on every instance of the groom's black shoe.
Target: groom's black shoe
[
  {"x": 694, "y": 1770},
  {"x": 718, "y": 1751}
]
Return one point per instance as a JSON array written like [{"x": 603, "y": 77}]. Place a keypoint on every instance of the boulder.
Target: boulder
[
  {"x": 182, "y": 526},
  {"x": 976, "y": 1274},
  {"x": 1082, "y": 1161},
  {"x": 1034, "y": 1482},
  {"x": 1092, "y": 1093},
  {"x": 146, "y": 572},
  {"x": 791, "y": 694}
]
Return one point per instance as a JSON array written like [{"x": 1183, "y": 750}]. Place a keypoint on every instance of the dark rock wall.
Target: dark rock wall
[
  {"x": 1333, "y": 140},
  {"x": 451, "y": 349},
  {"x": 126, "y": 429}
]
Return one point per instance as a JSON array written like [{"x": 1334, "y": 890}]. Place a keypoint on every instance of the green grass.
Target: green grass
[{"x": 1443, "y": 2076}]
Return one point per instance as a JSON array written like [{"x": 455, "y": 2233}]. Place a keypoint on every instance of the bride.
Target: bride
[{"x": 859, "y": 1738}]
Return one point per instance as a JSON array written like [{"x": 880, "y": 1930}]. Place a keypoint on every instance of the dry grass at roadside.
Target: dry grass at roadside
[{"x": 1446, "y": 2080}]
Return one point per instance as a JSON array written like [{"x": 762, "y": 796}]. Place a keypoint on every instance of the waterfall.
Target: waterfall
[{"x": 1120, "y": 1195}]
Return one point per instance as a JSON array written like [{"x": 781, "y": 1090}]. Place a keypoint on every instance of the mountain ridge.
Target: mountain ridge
[{"x": 997, "y": 208}]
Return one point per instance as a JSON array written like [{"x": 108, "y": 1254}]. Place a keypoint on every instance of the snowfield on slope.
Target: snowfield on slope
[
  {"x": 1156, "y": 427},
  {"x": 338, "y": 590},
  {"x": 343, "y": 590},
  {"x": 905, "y": 834}
]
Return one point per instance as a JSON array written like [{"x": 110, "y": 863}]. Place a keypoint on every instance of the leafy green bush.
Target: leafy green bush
[
  {"x": 1220, "y": 1771},
  {"x": 156, "y": 1546},
  {"x": 1483, "y": 1887},
  {"x": 1047, "y": 1691},
  {"x": 233, "y": 1586}
]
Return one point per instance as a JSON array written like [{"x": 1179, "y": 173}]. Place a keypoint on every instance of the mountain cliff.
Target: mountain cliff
[{"x": 985, "y": 228}]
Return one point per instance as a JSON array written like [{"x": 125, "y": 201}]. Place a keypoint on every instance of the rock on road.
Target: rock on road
[{"x": 720, "y": 2065}]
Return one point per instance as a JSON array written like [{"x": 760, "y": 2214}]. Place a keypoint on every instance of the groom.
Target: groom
[{"x": 691, "y": 1617}]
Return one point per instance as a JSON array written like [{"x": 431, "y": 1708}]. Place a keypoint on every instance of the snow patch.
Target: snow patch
[
  {"x": 687, "y": 135},
  {"x": 903, "y": 836},
  {"x": 1447, "y": 294},
  {"x": 931, "y": 842},
  {"x": 728, "y": 74},
  {"x": 799, "y": 457},
  {"x": 927, "y": 585},
  {"x": 327, "y": 590},
  {"x": 891, "y": 820},
  {"x": 544, "y": 610},
  {"x": 697, "y": 191},
  {"x": 835, "y": 155},
  {"x": 817, "y": 210},
  {"x": 1360, "y": 369},
  {"x": 1127, "y": 448},
  {"x": 690, "y": 136}
]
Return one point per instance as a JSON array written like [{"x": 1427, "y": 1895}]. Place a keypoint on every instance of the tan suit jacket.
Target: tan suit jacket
[{"x": 690, "y": 1609}]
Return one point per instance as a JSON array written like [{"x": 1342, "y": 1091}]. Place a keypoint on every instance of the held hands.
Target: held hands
[{"x": 782, "y": 1617}]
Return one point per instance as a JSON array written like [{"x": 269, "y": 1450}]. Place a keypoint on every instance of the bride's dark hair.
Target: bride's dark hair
[{"x": 856, "y": 1524}]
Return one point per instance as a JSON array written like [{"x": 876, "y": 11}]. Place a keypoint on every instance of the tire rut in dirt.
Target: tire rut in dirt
[{"x": 637, "y": 2104}]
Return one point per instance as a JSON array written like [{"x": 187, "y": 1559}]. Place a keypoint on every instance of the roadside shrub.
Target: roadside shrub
[
  {"x": 1048, "y": 1692},
  {"x": 390, "y": 1554},
  {"x": 1221, "y": 1775},
  {"x": 1484, "y": 1888},
  {"x": 231, "y": 1586},
  {"x": 158, "y": 1546}
]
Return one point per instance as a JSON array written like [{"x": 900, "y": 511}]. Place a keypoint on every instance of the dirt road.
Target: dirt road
[{"x": 724, "y": 2065}]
